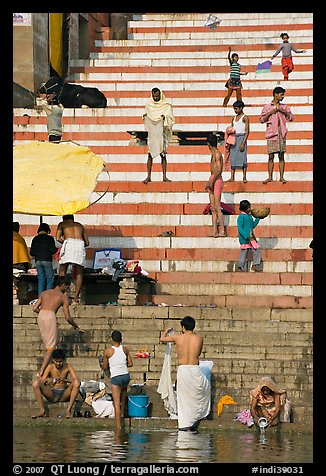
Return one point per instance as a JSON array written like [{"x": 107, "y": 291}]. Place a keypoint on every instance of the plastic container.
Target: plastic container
[
  {"x": 206, "y": 368},
  {"x": 138, "y": 405}
]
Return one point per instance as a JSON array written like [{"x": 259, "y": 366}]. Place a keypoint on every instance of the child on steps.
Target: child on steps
[{"x": 247, "y": 239}]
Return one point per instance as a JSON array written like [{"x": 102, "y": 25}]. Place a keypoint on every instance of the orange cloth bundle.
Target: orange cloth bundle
[{"x": 225, "y": 400}]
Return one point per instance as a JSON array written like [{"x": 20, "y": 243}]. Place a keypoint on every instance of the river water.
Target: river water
[{"x": 69, "y": 445}]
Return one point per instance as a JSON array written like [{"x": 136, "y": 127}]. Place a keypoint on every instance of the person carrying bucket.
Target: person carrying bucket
[{"x": 117, "y": 358}]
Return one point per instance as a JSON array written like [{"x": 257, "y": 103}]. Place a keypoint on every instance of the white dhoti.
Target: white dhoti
[
  {"x": 73, "y": 251},
  {"x": 193, "y": 396}
]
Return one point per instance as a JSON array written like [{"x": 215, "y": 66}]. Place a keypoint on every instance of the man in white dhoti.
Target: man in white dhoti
[
  {"x": 158, "y": 121},
  {"x": 73, "y": 236},
  {"x": 193, "y": 388}
]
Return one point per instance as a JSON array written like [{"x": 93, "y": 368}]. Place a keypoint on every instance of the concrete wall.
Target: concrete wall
[{"x": 22, "y": 97}]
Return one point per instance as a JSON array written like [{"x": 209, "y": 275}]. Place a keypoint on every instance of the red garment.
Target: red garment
[
  {"x": 287, "y": 67},
  {"x": 57, "y": 254},
  {"x": 230, "y": 139}
]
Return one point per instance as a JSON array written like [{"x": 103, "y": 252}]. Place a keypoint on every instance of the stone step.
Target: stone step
[
  {"x": 194, "y": 88},
  {"x": 236, "y": 18},
  {"x": 207, "y": 64},
  {"x": 131, "y": 114},
  {"x": 112, "y": 47},
  {"x": 290, "y": 227},
  {"x": 169, "y": 74},
  {"x": 204, "y": 262},
  {"x": 264, "y": 301},
  {"x": 177, "y": 74},
  {"x": 209, "y": 58},
  {"x": 235, "y": 339},
  {"x": 227, "y": 24},
  {"x": 198, "y": 288},
  {"x": 102, "y": 132},
  {"x": 120, "y": 106},
  {"x": 224, "y": 36},
  {"x": 120, "y": 144},
  {"x": 225, "y": 319},
  {"x": 176, "y": 243},
  {"x": 256, "y": 39}
]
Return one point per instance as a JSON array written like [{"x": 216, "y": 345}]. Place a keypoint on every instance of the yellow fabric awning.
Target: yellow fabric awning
[
  {"x": 53, "y": 179},
  {"x": 56, "y": 42}
]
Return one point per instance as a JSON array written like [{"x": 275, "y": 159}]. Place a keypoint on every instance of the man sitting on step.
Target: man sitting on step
[{"x": 59, "y": 383}]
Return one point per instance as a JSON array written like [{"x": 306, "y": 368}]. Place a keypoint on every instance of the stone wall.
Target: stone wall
[{"x": 244, "y": 344}]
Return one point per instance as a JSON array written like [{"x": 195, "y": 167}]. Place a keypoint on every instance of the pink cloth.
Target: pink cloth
[
  {"x": 230, "y": 139},
  {"x": 245, "y": 418},
  {"x": 47, "y": 323},
  {"x": 218, "y": 186},
  {"x": 275, "y": 120},
  {"x": 253, "y": 245}
]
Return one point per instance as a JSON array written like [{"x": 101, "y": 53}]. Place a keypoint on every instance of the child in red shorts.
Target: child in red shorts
[{"x": 286, "y": 48}]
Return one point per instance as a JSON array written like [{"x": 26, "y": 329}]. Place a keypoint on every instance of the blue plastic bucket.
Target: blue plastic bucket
[{"x": 138, "y": 405}]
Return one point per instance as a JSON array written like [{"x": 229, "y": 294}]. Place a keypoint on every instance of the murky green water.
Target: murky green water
[{"x": 55, "y": 445}]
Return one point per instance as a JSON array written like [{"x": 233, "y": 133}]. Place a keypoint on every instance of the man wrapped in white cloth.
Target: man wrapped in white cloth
[
  {"x": 158, "y": 121},
  {"x": 73, "y": 251},
  {"x": 193, "y": 388},
  {"x": 73, "y": 237}
]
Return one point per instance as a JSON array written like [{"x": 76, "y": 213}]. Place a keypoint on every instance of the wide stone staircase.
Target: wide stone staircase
[{"x": 262, "y": 323}]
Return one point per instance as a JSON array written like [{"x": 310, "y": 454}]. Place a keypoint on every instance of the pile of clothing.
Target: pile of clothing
[{"x": 96, "y": 395}]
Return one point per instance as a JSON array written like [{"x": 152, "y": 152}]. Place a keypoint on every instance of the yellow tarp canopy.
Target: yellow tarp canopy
[
  {"x": 55, "y": 41},
  {"x": 53, "y": 179}
]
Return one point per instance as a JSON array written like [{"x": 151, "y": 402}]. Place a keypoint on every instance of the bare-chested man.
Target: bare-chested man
[
  {"x": 59, "y": 383},
  {"x": 215, "y": 185},
  {"x": 47, "y": 306},
  {"x": 193, "y": 388},
  {"x": 73, "y": 236}
]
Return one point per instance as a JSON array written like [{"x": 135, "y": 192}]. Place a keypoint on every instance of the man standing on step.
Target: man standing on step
[
  {"x": 193, "y": 388},
  {"x": 275, "y": 116},
  {"x": 46, "y": 307},
  {"x": 214, "y": 186},
  {"x": 73, "y": 236},
  {"x": 158, "y": 121}
]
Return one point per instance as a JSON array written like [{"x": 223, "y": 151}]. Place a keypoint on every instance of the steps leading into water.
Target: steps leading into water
[
  {"x": 262, "y": 322},
  {"x": 243, "y": 343}
]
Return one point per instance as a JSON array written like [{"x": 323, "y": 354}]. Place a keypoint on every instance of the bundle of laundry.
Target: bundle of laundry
[
  {"x": 98, "y": 398},
  {"x": 120, "y": 267},
  {"x": 134, "y": 267}
]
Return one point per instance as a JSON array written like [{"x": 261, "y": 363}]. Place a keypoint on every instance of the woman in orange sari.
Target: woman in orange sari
[{"x": 270, "y": 401}]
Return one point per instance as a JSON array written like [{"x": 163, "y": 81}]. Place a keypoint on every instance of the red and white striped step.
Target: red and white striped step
[{"x": 189, "y": 63}]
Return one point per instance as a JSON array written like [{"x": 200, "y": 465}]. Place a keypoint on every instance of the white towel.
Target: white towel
[
  {"x": 165, "y": 387},
  {"x": 155, "y": 136},
  {"x": 103, "y": 408},
  {"x": 193, "y": 395}
]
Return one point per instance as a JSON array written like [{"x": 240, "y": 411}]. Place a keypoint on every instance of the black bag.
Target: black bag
[{"x": 137, "y": 389}]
